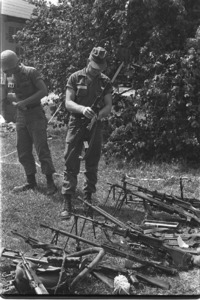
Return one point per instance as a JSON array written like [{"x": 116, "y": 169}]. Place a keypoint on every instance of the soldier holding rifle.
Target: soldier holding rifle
[{"x": 83, "y": 87}]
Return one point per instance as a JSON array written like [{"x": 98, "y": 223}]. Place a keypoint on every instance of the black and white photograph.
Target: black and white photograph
[{"x": 100, "y": 149}]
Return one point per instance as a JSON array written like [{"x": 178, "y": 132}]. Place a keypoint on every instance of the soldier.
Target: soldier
[
  {"x": 25, "y": 92},
  {"x": 83, "y": 87}
]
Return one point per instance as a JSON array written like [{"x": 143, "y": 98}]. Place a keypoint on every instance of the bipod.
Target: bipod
[
  {"x": 75, "y": 224},
  {"x": 115, "y": 199},
  {"x": 125, "y": 195},
  {"x": 89, "y": 212},
  {"x": 120, "y": 203},
  {"x": 117, "y": 251},
  {"x": 180, "y": 258}
]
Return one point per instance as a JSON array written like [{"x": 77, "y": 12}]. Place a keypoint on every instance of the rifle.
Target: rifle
[
  {"x": 45, "y": 262},
  {"x": 29, "y": 240},
  {"x": 94, "y": 106},
  {"x": 115, "y": 251},
  {"x": 169, "y": 208},
  {"x": 180, "y": 258},
  {"x": 106, "y": 272},
  {"x": 166, "y": 207},
  {"x": 169, "y": 198},
  {"x": 34, "y": 243},
  {"x": 33, "y": 279},
  {"x": 88, "y": 123},
  {"x": 12, "y": 254}
]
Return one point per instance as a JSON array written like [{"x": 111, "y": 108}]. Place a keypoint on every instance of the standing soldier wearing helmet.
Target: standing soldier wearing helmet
[
  {"x": 83, "y": 87},
  {"x": 28, "y": 88}
]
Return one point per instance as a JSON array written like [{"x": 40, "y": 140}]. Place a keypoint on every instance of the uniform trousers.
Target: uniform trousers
[
  {"x": 76, "y": 135},
  {"x": 31, "y": 127}
]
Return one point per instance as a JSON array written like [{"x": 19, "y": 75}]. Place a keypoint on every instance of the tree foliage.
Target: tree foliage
[{"x": 159, "y": 43}]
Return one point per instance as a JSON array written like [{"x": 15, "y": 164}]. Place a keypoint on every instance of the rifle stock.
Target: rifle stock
[
  {"x": 168, "y": 198},
  {"x": 169, "y": 208},
  {"x": 133, "y": 257},
  {"x": 15, "y": 255},
  {"x": 154, "y": 281},
  {"x": 107, "y": 273},
  {"x": 114, "y": 251},
  {"x": 33, "y": 279},
  {"x": 180, "y": 258},
  {"x": 175, "y": 203}
]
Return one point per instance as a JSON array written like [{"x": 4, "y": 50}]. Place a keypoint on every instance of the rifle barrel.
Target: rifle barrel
[
  {"x": 113, "y": 251},
  {"x": 178, "y": 255},
  {"x": 166, "y": 197},
  {"x": 170, "y": 208},
  {"x": 70, "y": 235}
]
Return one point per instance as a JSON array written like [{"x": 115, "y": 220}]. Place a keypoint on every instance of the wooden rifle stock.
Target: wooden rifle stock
[
  {"x": 166, "y": 197},
  {"x": 106, "y": 274},
  {"x": 180, "y": 258},
  {"x": 33, "y": 279},
  {"x": 114, "y": 251},
  {"x": 169, "y": 208},
  {"x": 171, "y": 199}
]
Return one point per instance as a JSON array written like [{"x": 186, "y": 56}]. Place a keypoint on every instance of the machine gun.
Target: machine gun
[
  {"x": 181, "y": 258},
  {"x": 34, "y": 243},
  {"x": 188, "y": 217},
  {"x": 169, "y": 199},
  {"x": 164, "y": 202},
  {"x": 116, "y": 251}
]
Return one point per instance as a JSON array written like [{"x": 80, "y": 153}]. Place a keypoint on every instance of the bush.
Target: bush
[{"x": 156, "y": 40}]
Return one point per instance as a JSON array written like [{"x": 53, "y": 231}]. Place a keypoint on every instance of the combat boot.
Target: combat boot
[
  {"x": 51, "y": 187},
  {"x": 87, "y": 197},
  {"x": 30, "y": 185},
  {"x": 67, "y": 209}
]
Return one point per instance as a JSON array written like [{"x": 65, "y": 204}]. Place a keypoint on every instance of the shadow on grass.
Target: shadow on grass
[{"x": 126, "y": 214}]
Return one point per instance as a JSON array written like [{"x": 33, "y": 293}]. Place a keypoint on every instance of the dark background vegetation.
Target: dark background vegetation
[{"x": 159, "y": 43}]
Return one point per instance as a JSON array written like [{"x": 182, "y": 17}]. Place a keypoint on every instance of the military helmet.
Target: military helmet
[{"x": 9, "y": 60}]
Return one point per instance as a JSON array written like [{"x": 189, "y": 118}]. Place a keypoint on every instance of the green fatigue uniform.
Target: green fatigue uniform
[
  {"x": 86, "y": 93},
  {"x": 31, "y": 124}
]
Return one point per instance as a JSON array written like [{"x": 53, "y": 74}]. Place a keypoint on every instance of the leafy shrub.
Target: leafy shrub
[{"x": 156, "y": 40}]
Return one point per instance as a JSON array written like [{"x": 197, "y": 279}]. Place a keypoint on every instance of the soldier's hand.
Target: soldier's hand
[
  {"x": 20, "y": 105},
  {"x": 11, "y": 97},
  {"x": 196, "y": 260},
  {"x": 93, "y": 120},
  {"x": 88, "y": 112}
]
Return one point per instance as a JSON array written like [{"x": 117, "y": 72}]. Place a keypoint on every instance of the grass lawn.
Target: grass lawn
[{"x": 25, "y": 211}]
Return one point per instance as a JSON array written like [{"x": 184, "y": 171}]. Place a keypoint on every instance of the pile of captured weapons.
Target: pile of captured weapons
[{"x": 158, "y": 246}]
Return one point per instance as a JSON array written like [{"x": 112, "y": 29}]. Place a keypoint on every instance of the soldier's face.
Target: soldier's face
[
  {"x": 94, "y": 72},
  {"x": 11, "y": 71}
]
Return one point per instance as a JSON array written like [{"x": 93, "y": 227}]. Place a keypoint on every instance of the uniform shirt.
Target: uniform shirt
[
  {"x": 3, "y": 86},
  {"x": 3, "y": 94},
  {"x": 87, "y": 91},
  {"x": 23, "y": 83}
]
